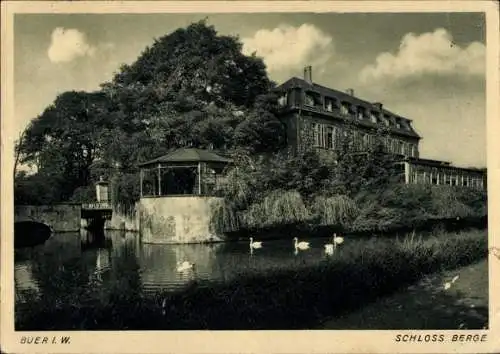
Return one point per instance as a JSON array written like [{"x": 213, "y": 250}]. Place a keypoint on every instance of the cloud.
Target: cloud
[
  {"x": 286, "y": 48},
  {"x": 432, "y": 53},
  {"x": 68, "y": 44}
]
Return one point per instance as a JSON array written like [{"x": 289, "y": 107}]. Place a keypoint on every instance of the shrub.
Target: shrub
[
  {"x": 447, "y": 204},
  {"x": 125, "y": 190},
  {"x": 277, "y": 208},
  {"x": 224, "y": 218},
  {"x": 338, "y": 210}
]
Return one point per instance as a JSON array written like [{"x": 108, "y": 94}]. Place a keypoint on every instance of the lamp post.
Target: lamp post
[{"x": 102, "y": 191}]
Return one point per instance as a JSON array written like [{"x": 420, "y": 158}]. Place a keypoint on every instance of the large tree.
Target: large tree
[
  {"x": 192, "y": 87},
  {"x": 63, "y": 141}
]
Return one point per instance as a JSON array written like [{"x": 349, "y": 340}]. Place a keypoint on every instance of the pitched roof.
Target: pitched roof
[{"x": 188, "y": 155}]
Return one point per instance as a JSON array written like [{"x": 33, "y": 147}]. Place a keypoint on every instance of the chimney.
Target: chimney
[
  {"x": 350, "y": 91},
  {"x": 378, "y": 105},
  {"x": 308, "y": 74}
]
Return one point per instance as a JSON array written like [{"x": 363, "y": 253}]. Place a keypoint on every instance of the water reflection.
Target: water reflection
[
  {"x": 84, "y": 266},
  {"x": 91, "y": 240},
  {"x": 25, "y": 283},
  {"x": 159, "y": 264}
]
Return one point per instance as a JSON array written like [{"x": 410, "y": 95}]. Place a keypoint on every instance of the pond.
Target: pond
[
  {"x": 73, "y": 262},
  {"x": 76, "y": 271}
]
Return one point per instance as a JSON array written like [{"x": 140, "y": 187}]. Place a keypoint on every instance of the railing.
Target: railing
[{"x": 94, "y": 206}]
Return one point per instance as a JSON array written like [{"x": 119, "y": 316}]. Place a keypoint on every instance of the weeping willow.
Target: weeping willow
[
  {"x": 224, "y": 218},
  {"x": 278, "y": 208},
  {"x": 336, "y": 210}
]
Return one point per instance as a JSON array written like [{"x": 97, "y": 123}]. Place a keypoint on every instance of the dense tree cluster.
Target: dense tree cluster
[{"x": 192, "y": 87}]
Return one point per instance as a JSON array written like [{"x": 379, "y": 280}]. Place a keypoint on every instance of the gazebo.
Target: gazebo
[{"x": 185, "y": 171}]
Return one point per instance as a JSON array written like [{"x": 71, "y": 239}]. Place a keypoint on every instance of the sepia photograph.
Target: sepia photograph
[{"x": 234, "y": 171}]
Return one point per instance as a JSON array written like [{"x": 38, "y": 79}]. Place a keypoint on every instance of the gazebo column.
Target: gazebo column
[
  {"x": 199, "y": 178},
  {"x": 159, "y": 180},
  {"x": 141, "y": 178}
]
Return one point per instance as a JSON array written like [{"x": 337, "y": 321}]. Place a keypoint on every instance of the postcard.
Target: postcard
[{"x": 248, "y": 176}]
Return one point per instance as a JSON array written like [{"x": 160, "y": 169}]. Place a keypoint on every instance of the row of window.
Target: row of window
[
  {"x": 326, "y": 136},
  {"x": 331, "y": 104},
  {"x": 443, "y": 178}
]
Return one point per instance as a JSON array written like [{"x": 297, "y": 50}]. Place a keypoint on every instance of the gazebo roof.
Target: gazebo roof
[{"x": 187, "y": 155}]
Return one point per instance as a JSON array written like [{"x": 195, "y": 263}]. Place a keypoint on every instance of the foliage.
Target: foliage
[
  {"x": 125, "y": 190},
  {"x": 192, "y": 87},
  {"x": 364, "y": 169},
  {"x": 446, "y": 203},
  {"x": 224, "y": 218},
  {"x": 85, "y": 194},
  {"x": 261, "y": 131},
  {"x": 277, "y": 208},
  {"x": 63, "y": 140},
  {"x": 37, "y": 189},
  {"x": 239, "y": 186},
  {"x": 338, "y": 210}
]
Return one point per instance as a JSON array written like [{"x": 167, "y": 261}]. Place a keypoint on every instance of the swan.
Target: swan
[
  {"x": 447, "y": 286},
  {"x": 337, "y": 240},
  {"x": 183, "y": 266},
  {"x": 329, "y": 249},
  {"x": 300, "y": 245},
  {"x": 256, "y": 244}
]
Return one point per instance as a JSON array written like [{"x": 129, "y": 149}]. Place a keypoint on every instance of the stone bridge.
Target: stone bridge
[
  {"x": 60, "y": 217},
  {"x": 67, "y": 217}
]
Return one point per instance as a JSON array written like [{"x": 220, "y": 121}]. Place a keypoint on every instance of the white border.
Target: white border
[{"x": 366, "y": 341}]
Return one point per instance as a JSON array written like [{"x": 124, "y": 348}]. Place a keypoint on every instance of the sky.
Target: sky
[{"x": 428, "y": 67}]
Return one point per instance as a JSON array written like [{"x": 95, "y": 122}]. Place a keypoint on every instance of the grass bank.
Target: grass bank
[
  {"x": 284, "y": 299},
  {"x": 427, "y": 304}
]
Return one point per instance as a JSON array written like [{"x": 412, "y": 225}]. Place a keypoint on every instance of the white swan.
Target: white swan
[
  {"x": 184, "y": 266},
  {"x": 256, "y": 244},
  {"x": 300, "y": 245},
  {"x": 330, "y": 247},
  {"x": 337, "y": 240}
]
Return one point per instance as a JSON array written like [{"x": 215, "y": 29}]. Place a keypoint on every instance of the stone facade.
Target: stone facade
[
  {"x": 177, "y": 219},
  {"x": 125, "y": 220}
]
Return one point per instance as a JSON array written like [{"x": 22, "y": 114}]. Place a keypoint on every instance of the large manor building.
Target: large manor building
[{"x": 328, "y": 114}]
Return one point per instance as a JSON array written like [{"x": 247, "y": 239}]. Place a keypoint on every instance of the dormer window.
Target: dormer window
[
  {"x": 309, "y": 100},
  {"x": 406, "y": 125},
  {"x": 373, "y": 117},
  {"x": 283, "y": 100},
  {"x": 344, "y": 108},
  {"x": 329, "y": 104},
  {"x": 398, "y": 124},
  {"x": 361, "y": 113},
  {"x": 386, "y": 120},
  {"x": 312, "y": 99}
]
